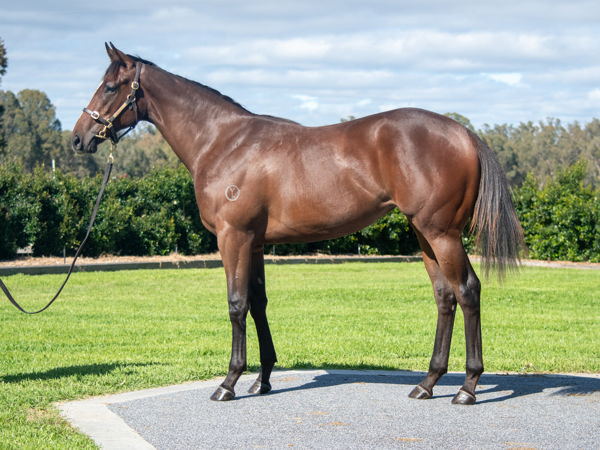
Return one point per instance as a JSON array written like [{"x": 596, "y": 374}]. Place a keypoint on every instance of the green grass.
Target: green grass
[{"x": 120, "y": 331}]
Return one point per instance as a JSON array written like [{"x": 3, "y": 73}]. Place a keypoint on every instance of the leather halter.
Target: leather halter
[{"x": 108, "y": 132}]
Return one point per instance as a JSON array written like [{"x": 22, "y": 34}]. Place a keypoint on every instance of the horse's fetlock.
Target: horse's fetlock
[
  {"x": 474, "y": 369},
  {"x": 438, "y": 366}
]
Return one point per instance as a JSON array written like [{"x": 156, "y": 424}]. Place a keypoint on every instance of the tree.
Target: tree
[
  {"x": 500, "y": 140},
  {"x": 31, "y": 129},
  {"x": 143, "y": 150},
  {"x": 3, "y": 58},
  {"x": 589, "y": 136},
  {"x": 465, "y": 122},
  {"x": 3, "y": 66}
]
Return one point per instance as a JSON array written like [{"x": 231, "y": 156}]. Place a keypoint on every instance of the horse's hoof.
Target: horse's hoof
[
  {"x": 222, "y": 395},
  {"x": 420, "y": 393},
  {"x": 260, "y": 388},
  {"x": 463, "y": 398}
]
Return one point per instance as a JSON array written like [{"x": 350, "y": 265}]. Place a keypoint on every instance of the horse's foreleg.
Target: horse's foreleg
[
  {"x": 258, "y": 307},
  {"x": 236, "y": 254},
  {"x": 446, "y": 306}
]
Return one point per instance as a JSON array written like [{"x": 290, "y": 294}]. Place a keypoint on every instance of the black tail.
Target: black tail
[{"x": 498, "y": 234}]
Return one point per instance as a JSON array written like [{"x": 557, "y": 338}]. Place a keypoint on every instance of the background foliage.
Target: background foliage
[
  {"x": 562, "y": 219},
  {"x": 149, "y": 208},
  {"x": 152, "y": 215},
  {"x": 156, "y": 214}
]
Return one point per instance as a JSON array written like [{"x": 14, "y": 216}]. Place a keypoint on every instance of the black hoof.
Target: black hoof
[
  {"x": 463, "y": 398},
  {"x": 222, "y": 395},
  {"x": 260, "y": 388},
  {"x": 420, "y": 393}
]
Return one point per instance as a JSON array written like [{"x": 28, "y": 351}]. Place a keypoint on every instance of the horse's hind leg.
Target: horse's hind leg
[
  {"x": 446, "y": 306},
  {"x": 454, "y": 265},
  {"x": 258, "y": 305}
]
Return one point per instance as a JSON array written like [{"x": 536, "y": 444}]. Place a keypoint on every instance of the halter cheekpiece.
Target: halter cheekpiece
[{"x": 108, "y": 132}]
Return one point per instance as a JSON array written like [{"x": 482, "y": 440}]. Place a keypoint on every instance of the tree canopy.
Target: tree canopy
[
  {"x": 3, "y": 66},
  {"x": 3, "y": 58},
  {"x": 31, "y": 129}
]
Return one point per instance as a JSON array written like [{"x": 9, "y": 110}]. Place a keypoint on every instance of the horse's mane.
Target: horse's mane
[{"x": 113, "y": 69}]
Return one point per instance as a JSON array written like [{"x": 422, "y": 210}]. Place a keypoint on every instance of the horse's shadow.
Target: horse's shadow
[
  {"x": 492, "y": 387},
  {"x": 69, "y": 371}
]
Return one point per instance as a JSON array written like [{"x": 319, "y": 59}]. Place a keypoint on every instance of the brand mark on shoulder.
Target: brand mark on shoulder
[{"x": 232, "y": 192}]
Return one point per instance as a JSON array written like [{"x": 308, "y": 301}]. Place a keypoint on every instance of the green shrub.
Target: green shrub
[
  {"x": 561, "y": 221},
  {"x": 152, "y": 215},
  {"x": 16, "y": 209}
]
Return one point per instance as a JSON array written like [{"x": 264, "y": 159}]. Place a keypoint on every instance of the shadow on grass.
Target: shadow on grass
[
  {"x": 64, "y": 372},
  {"x": 492, "y": 387}
]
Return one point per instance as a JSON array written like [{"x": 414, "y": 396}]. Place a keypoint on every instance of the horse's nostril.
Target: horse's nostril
[{"x": 76, "y": 142}]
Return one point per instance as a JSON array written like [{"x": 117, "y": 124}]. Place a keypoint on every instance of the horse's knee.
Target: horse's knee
[
  {"x": 238, "y": 309},
  {"x": 444, "y": 297}
]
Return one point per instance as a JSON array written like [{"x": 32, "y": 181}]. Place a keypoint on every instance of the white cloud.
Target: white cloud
[
  {"x": 512, "y": 79},
  {"x": 307, "y": 102},
  {"x": 316, "y": 79},
  {"x": 594, "y": 95}
]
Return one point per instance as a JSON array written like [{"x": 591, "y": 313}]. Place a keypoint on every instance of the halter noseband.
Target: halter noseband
[{"x": 108, "y": 132}]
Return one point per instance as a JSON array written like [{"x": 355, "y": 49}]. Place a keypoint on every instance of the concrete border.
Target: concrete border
[
  {"x": 194, "y": 264},
  {"x": 93, "y": 418},
  {"x": 216, "y": 263}
]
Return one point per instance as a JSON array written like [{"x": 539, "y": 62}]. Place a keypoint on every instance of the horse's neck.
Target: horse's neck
[{"x": 187, "y": 115}]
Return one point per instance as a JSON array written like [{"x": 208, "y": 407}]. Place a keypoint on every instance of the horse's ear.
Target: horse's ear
[{"x": 115, "y": 54}]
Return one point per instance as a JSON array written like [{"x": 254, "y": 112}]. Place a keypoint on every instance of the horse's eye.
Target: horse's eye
[{"x": 110, "y": 88}]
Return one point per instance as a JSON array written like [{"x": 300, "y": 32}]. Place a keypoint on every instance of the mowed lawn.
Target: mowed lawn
[{"x": 119, "y": 331}]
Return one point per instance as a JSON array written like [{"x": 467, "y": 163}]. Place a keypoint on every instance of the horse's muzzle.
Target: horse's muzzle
[{"x": 80, "y": 146}]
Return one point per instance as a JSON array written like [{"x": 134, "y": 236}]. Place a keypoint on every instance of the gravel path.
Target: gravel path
[{"x": 351, "y": 410}]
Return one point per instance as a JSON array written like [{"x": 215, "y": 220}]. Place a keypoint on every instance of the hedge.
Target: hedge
[
  {"x": 562, "y": 219},
  {"x": 157, "y": 214},
  {"x": 152, "y": 215}
]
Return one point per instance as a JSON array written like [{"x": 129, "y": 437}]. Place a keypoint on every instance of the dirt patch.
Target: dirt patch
[{"x": 27, "y": 261}]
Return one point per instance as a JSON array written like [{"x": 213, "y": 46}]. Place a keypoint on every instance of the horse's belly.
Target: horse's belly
[{"x": 317, "y": 224}]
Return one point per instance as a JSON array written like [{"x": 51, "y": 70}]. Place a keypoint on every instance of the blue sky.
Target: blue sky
[{"x": 316, "y": 62}]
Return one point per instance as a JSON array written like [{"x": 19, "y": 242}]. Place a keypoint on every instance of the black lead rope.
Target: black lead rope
[{"x": 107, "y": 171}]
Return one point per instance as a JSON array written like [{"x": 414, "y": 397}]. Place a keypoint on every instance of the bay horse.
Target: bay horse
[{"x": 263, "y": 180}]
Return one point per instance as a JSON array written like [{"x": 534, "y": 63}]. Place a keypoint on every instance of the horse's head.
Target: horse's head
[{"x": 113, "y": 107}]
